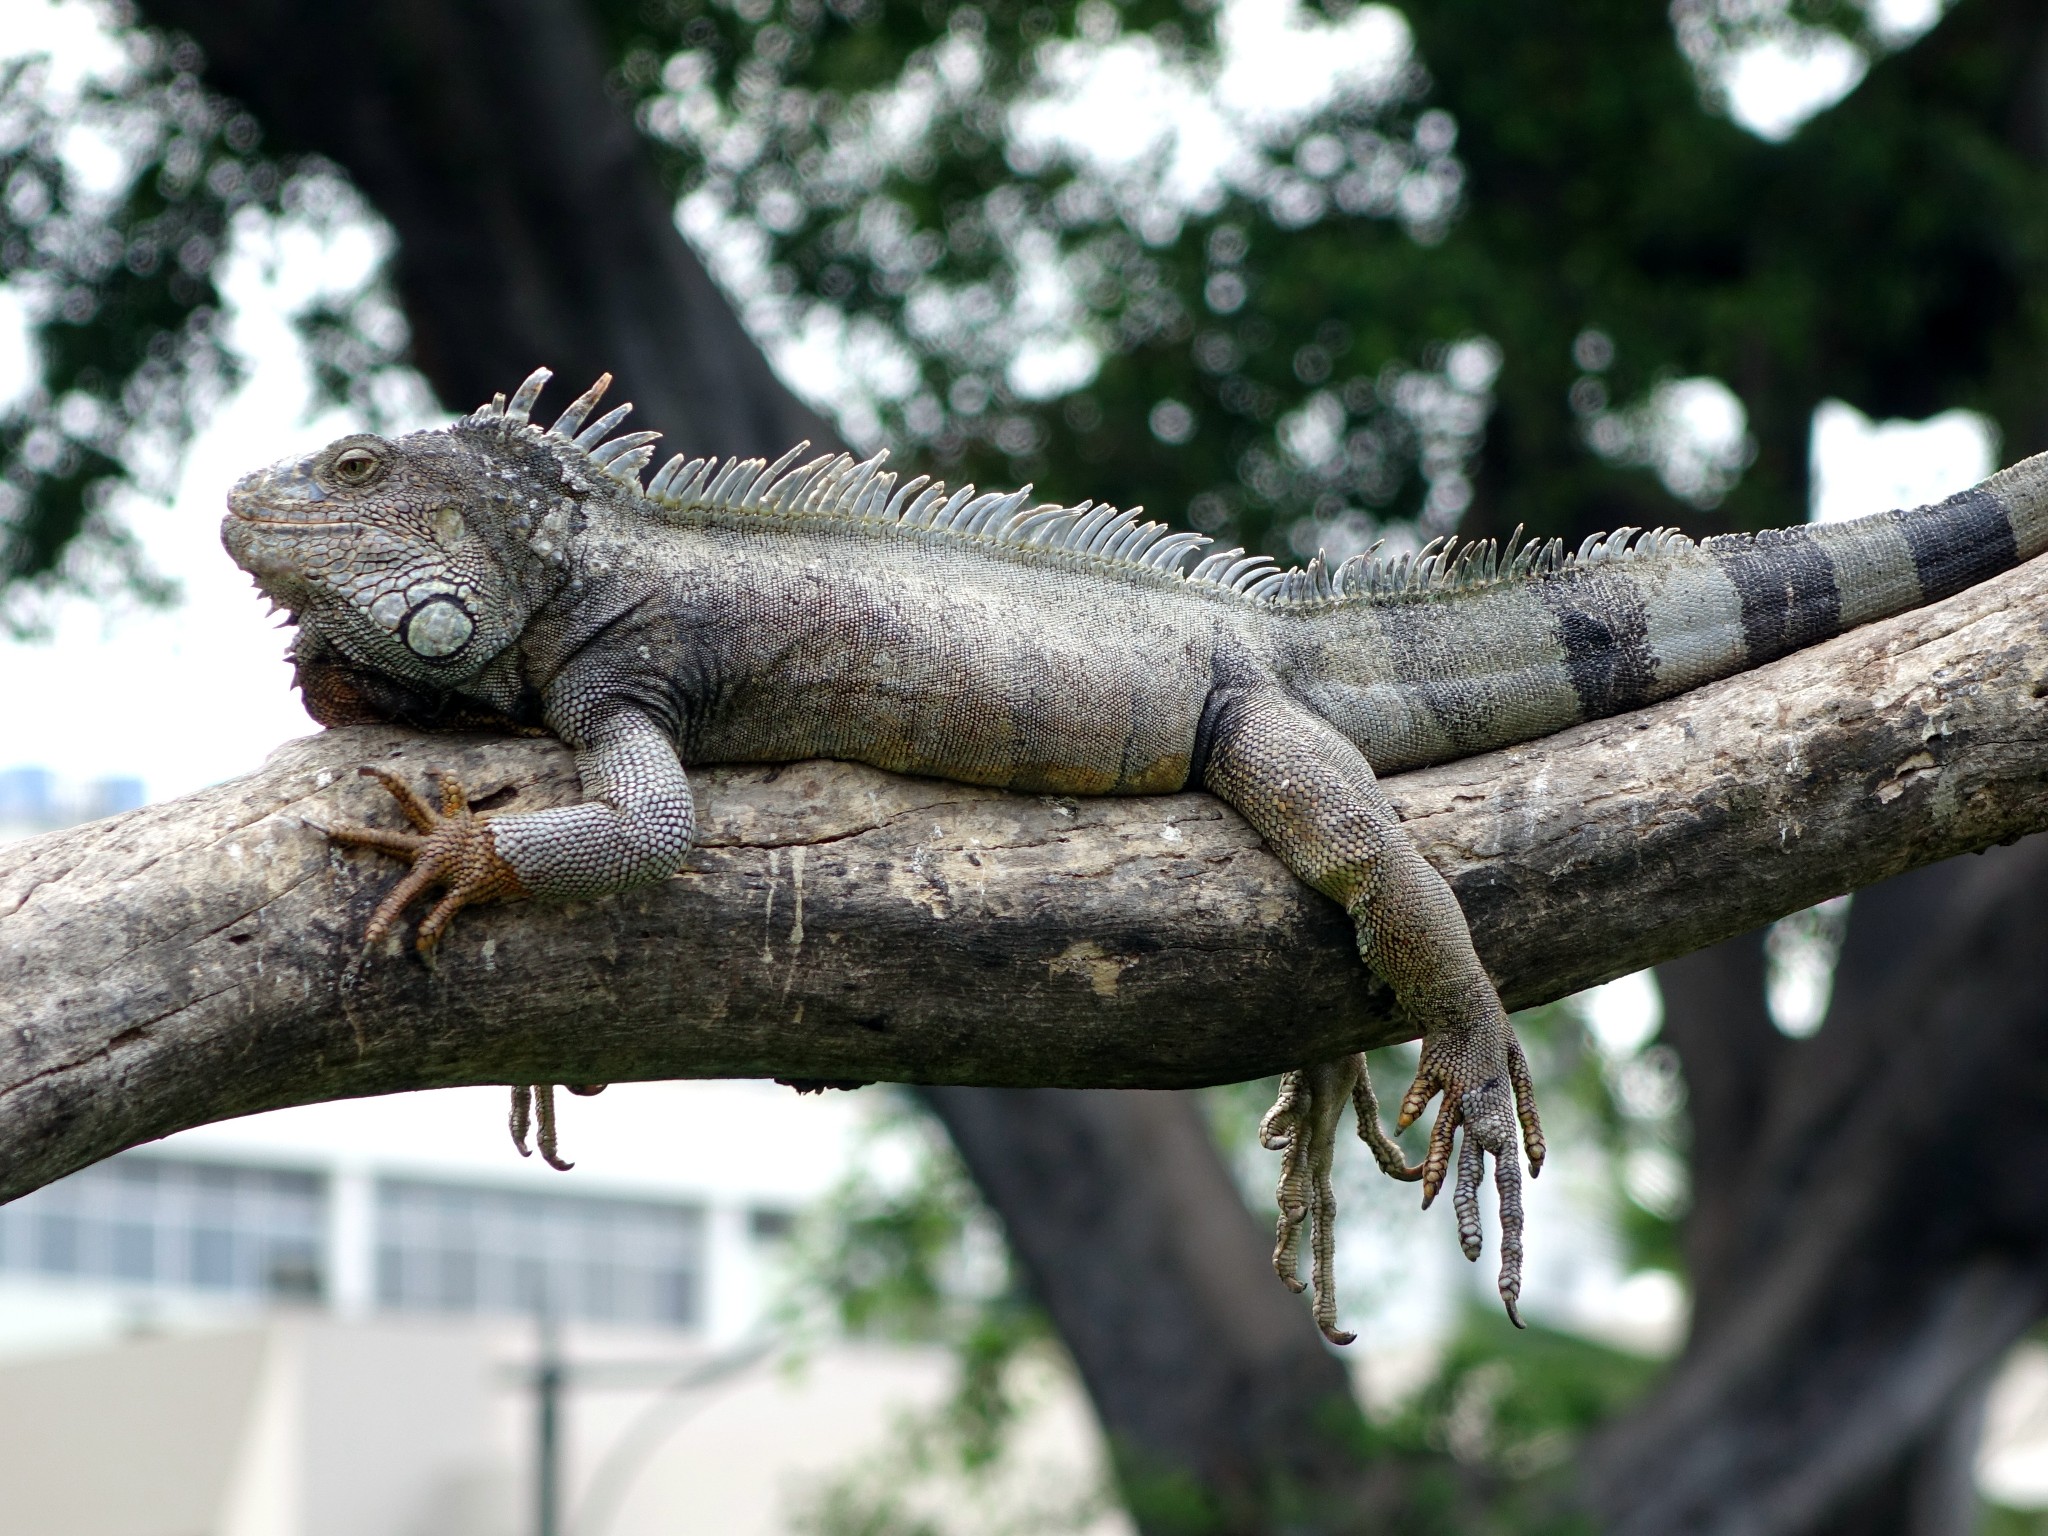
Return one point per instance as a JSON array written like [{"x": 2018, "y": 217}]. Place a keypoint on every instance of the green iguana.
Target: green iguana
[{"x": 755, "y": 612}]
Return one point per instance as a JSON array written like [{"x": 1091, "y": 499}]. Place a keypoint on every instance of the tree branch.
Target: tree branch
[{"x": 184, "y": 963}]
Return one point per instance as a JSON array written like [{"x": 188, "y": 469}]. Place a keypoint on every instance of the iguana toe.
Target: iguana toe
[
  {"x": 452, "y": 849},
  {"x": 1302, "y": 1125},
  {"x": 1286, "y": 1128},
  {"x": 531, "y": 1101},
  {"x": 1484, "y": 1078}
]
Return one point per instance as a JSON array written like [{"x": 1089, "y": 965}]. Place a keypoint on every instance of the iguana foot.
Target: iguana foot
[
  {"x": 1302, "y": 1124},
  {"x": 1481, "y": 1074},
  {"x": 531, "y": 1101},
  {"x": 452, "y": 848}
]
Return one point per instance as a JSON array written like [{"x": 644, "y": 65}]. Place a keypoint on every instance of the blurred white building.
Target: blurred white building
[
  {"x": 326, "y": 1322},
  {"x": 417, "y": 1205},
  {"x": 35, "y": 800}
]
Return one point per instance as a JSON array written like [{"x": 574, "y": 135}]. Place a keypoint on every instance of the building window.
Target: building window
[
  {"x": 57, "y": 1251},
  {"x": 158, "y": 1221},
  {"x": 457, "y": 1248},
  {"x": 134, "y": 1251},
  {"x": 142, "y": 1220}
]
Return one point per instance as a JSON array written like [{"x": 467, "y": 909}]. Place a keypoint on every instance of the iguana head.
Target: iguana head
[
  {"x": 370, "y": 543},
  {"x": 421, "y": 557}
]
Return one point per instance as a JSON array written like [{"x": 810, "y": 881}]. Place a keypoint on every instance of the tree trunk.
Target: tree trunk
[
  {"x": 1715, "y": 1018},
  {"x": 1132, "y": 1234},
  {"x": 1930, "y": 1488},
  {"x": 1891, "y": 1241},
  {"x": 532, "y": 228}
]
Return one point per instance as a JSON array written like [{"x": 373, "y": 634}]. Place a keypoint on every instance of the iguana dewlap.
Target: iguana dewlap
[{"x": 745, "y": 611}]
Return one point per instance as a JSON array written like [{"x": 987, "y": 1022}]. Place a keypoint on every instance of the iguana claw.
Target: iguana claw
[
  {"x": 452, "y": 848},
  {"x": 1478, "y": 1084},
  {"x": 531, "y": 1101},
  {"x": 1303, "y": 1124}
]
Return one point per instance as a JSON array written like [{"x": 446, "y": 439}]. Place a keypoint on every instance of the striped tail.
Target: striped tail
[
  {"x": 1801, "y": 585},
  {"x": 1424, "y": 672}
]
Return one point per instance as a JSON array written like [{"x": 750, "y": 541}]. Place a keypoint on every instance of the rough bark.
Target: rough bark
[
  {"x": 185, "y": 962},
  {"x": 1893, "y": 1239}
]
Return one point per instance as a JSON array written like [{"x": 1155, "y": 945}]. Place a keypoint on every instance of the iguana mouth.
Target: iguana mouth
[{"x": 285, "y": 522}]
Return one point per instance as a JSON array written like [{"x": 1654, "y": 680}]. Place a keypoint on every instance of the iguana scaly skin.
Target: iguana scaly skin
[{"x": 498, "y": 573}]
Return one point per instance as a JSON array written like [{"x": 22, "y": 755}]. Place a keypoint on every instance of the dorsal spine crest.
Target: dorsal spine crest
[{"x": 838, "y": 488}]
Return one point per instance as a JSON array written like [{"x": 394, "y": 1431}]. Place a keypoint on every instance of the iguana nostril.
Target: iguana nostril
[{"x": 438, "y": 628}]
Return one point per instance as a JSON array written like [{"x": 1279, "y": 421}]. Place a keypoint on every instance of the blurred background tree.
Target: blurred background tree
[{"x": 1302, "y": 278}]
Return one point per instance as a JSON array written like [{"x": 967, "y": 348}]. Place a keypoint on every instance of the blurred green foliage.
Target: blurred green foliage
[
  {"x": 1466, "y": 291},
  {"x": 115, "y": 197},
  {"x": 913, "y": 1256},
  {"x": 1624, "y": 1111},
  {"x": 904, "y": 1249},
  {"x": 1489, "y": 1441},
  {"x": 123, "y": 184}
]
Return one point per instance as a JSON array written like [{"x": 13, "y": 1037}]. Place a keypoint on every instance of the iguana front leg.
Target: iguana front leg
[
  {"x": 1311, "y": 794},
  {"x": 634, "y": 828}
]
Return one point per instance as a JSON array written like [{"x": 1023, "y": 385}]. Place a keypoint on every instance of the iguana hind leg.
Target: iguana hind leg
[{"x": 1311, "y": 794}]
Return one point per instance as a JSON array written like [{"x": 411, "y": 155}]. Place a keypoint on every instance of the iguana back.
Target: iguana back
[{"x": 1090, "y": 616}]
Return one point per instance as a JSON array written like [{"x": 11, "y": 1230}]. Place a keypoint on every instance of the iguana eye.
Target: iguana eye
[{"x": 356, "y": 466}]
